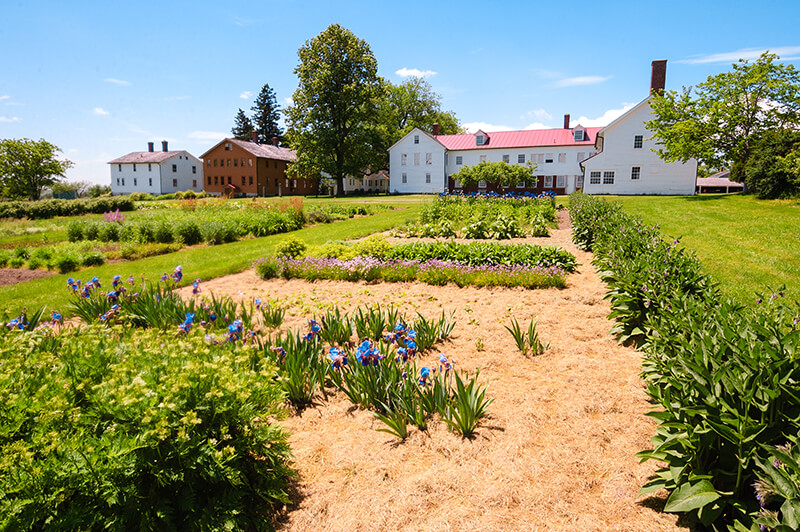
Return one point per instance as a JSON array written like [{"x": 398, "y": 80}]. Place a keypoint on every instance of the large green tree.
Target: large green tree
[
  {"x": 332, "y": 121},
  {"x": 717, "y": 121},
  {"x": 242, "y": 127},
  {"x": 266, "y": 114},
  {"x": 414, "y": 103},
  {"x": 769, "y": 172},
  {"x": 497, "y": 173},
  {"x": 27, "y": 166}
]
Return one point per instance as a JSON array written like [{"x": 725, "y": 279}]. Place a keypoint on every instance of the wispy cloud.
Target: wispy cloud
[
  {"x": 5, "y": 97},
  {"x": 541, "y": 114},
  {"x": 242, "y": 21},
  {"x": 785, "y": 52},
  {"x": 405, "y": 72},
  {"x": 207, "y": 135},
  {"x": 120, "y": 82},
  {"x": 472, "y": 127},
  {"x": 581, "y": 80},
  {"x": 604, "y": 119},
  {"x": 9, "y": 119},
  {"x": 99, "y": 111},
  {"x": 537, "y": 125},
  {"x": 245, "y": 95},
  {"x": 288, "y": 101}
]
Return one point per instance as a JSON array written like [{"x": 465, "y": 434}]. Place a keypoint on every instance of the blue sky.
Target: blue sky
[{"x": 101, "y": 79}]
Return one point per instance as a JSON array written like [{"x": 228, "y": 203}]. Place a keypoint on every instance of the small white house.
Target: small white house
[{"x": 156, "y": 172}]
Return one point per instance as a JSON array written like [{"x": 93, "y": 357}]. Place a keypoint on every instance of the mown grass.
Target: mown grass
[
  {"x": 747, "y": 245},
  {"x": 205, "y": 262}
]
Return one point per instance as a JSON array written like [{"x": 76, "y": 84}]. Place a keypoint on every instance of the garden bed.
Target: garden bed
[{"x": 556, "y": 453}]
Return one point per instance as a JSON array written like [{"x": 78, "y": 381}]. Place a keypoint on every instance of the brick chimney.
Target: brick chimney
[
  {"x": 275, "y": 141},
  {"x": 150, "y": 146},
  {"x": 254, "y": 136},
  {"x": 658, "y": 76},
  {"x": 164, "y": 145},
  {"x": 566, "y": 121},
  {"x": 435, "y": 130}
]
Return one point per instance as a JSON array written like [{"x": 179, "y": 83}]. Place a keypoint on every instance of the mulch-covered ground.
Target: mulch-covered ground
[
  {"x": 9, "y": 276},
  {"x": 556, "y": 453}
]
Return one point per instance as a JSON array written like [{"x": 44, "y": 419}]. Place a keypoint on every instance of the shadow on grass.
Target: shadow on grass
[
  {"x": 711, "y": 197},
  {"x": 656, "y": 503}
]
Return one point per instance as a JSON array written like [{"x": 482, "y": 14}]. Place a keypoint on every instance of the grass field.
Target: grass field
[
  {"x": 205, "y": 262},
  {"x": 748, "y": 245}
]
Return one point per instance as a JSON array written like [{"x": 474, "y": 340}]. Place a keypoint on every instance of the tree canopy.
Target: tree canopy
[
  {"x": 242, "y": 127},
  {"x": 27, "y": 166},
  {"x": 266, "y": 114},
  {"x": 717, "y": 121},
  {"x": 497, "y": 173},
  {"x": 772, "y": 170},
  {"x": 331, "y": 122},
  {"x": 414, "y": 103}
]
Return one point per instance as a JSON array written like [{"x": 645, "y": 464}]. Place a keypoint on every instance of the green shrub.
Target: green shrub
[
  {"x": 16, "y": 262},
  {"x": 22, "y": 252},
  {"x": 93, "y": 258},
  {"x": 291, "y": 247},
  {"x": 66, "y": 263},
  {"x": 75, "y": 231},
  {"x": 43, "y": 253},
  {"x": 189, "y": 194},
  {"x": 188, "y": 233},
  {"x": 337, "y": 250},
  {"x": 34, "y": 263},
  {"x": 91, "y": 231},
  {"x": 267, "y": 268},
  {"x": 373, "y": 246},
  {"x": 4, "y": 258}
]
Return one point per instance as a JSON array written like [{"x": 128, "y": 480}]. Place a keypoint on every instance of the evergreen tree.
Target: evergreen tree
[
  {"x": 242, "y": 127},
  {"x": 266, "y": 114}
]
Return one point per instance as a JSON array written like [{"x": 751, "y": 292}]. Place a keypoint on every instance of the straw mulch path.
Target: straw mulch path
[{"x": 557, "y": 452}]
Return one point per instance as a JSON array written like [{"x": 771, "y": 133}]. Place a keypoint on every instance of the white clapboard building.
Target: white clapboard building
[{"x": 156, "y": 172}]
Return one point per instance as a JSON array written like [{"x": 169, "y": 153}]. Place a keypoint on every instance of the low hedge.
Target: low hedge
[
  {"x": 724, "y": 377},
  {"x": 37, "y": 210}
]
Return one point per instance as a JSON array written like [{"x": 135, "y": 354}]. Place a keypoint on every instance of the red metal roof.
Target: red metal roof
[{"x": 529, "y": 138}]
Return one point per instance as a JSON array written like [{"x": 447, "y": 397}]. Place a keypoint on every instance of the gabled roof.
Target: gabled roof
[
  {"x": 623, "y": 115},
  {"x": 416, "y": 130},
  {"x": 147, "y": 157},
  {"x": 529, "y": 138},
  {"x": 264, "y": 151},
  {"x": 720, "y": 179}
]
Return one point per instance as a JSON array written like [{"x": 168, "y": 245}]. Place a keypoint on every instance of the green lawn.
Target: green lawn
[
  {"x": 747, "y": 245},
  {"x": 205, "y": 262}
]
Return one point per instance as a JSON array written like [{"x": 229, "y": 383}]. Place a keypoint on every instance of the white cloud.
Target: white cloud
[
  {"x": 10, "y": 119},
  {"x": 537, "y": 125},
  {"x": 541, "y": 114},
  {"x": 785, "y": 52},
  {"x": 405, "y": 72},
  {"x": 245, "y": 95},
  {"x": 207, "y": 135},
  {"x": 288, "y": 101},
  {"x": 4, "y": 97},
  {"x": 472, "y": 127},
  {"x": 603, "y": 120},
  {"x": 581, "y": 80},
  {"x": 99, "y": 111},
  {"x": 120, "y": 82}
]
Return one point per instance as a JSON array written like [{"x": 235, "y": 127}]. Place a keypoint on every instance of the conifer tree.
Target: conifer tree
[
  {"x": 266, "y": 115},
  {"x": 242, "y": 127}
]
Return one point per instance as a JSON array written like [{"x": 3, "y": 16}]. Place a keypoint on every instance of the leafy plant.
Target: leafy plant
[{"x": 469, "y": 405}]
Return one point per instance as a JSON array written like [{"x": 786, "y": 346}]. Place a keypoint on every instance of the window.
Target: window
[
  {"x": 250, "y": 162},
  {"x": 123, "y": 181},
  {"x": 242, "y": 180},
  {"x": 562, "y": 157},
  {"x": 149, "y": 167},
  {"x": 209, "y": 163},
  {"x": 229, "y": 163},
  {"x": 276, "y": 181},
  {"x": 521, "y": 158},
  {"x": 175, "y": 183},
  {"x": 228, "y": 146},
  {"x": 404, "y": 159},
  {"x": 251, "y": 180},
  {"x": 479, "y": 140},
  {"x": 216, "y": 180},
  {"x": 236, "y": 162},
  {"x": 594, "y": 178},
  {"x": 241, "y": 162},
  {"x": 174, "y": 168},
  {"x": 150, "y": 182},
  {"x": 427, "y": 178},
  {"x": 577, "y": 135},
  {"x": 608, "y": 178},
  {"x": 230, "y": 180},
  {"x": 194, "y": 169},
  {"x": 636, "y": 172},
  {"x": 521, "y": 184},
  {"x": 548, "y": 181},
  {"x": 416, "y": 159},
  {"x": 276, "y": 164},
  {"x": 209, "y": 180},
  {"x": 637, "y": 141},
  {"x": 194, "y": 183},
  {"x": 134, "y": 181},
  {"x": 482, "y": 183},
  {"x": 119, "y": 167},
  {"x": 579, "y": 182},
  {"x": 506, "y": 158},
  {"x": 483, "y": 158},
  {"x": 215, "y": 163},
  {"x": 561, "y": 181},
  {"x": 539, "y": 158},
  {"x": 459, "y": 159},
  {"x": 416, "y": 139},
  {"x": 134, "y": 167},
  {"x": 405, "y": 177},
  {"x": 117, "y": 181},
  {"x": 581, "y": 156},
  {"x": 548, "y": 158},
  {"x": 428, "y": 159}
]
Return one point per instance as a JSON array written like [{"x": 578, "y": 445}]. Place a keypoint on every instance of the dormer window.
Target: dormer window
[
  {"x": 479, "y": 140},
  {"x": 579, "y": 134}
]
